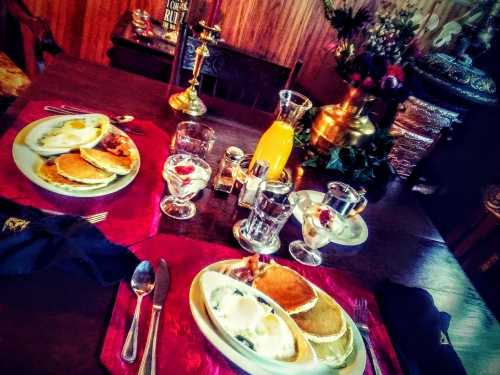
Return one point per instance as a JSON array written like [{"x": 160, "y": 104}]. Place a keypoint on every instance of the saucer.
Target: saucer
[
  {"x": 355, "y": 231},
  {"x": 251, "y": 246}
]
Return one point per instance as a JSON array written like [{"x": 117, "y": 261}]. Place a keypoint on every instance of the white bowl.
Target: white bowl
[{"x": 305, "y": 357}]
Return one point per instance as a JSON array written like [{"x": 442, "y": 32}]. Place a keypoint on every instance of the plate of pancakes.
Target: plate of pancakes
[
  {"x": 336, "y": 342},
  {"x": 76, "y": 155}
]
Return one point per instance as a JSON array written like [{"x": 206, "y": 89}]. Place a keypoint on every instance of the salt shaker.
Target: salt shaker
[
  {"x": 251, "y": 186},
  {"x": 225, "y": 178}
]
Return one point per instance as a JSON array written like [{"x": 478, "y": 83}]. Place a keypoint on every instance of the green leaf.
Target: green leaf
[
  {"x": 312, "y": 161},
  {"x": 335, "y": 161}
]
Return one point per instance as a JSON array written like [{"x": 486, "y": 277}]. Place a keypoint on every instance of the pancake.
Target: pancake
[
  {"x": 335, "y": 353},
  {"x": 324, "y": 322},
  {"x": 73, "y": 167},
  {"x": 290, "y": 290},
  {"x": 107, "y": 161},
  {"x": 48, "y": 171}
]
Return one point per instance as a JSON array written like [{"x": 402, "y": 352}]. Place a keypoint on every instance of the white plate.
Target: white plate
[
  {"x": 355, "y": 231},
  {"x": 28, "y": 161},
  {"x": 356, "y": 362}
]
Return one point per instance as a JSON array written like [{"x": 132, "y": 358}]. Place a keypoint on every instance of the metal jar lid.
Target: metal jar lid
[
  {"x": 260, "y": 168},
  {"x": 234, "y": 153}
]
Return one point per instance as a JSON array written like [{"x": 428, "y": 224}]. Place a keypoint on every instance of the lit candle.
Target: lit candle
[{"x": 213, "y": 12}]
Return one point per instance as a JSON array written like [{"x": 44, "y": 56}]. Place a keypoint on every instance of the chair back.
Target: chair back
[{"x": 233, "y": 75}]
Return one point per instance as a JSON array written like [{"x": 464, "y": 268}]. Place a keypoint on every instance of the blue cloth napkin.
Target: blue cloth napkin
[{"x": 31, "y": 240}]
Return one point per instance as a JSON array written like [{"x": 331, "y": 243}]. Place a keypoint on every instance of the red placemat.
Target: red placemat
[
  {"x": 182, "y": 348},
  {"x": 133, "y": 212}
]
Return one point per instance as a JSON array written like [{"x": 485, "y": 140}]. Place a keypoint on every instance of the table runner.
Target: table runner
[
  {"x": 182, "y": 348},
  {"x": 133, "y": 212}
]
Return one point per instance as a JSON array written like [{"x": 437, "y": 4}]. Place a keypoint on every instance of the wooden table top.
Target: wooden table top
[{"x": 403, "y": 244}]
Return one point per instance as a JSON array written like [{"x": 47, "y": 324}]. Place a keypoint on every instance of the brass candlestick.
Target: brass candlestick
[{"x": 188, "y": 101}]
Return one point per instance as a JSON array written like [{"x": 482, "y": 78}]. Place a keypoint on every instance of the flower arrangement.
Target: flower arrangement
[{"x": 372, "y": 48}]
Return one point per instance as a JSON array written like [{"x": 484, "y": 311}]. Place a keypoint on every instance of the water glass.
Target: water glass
[
  {"x": 194, "y": 138},
  {"x": 270, "y": 212}
]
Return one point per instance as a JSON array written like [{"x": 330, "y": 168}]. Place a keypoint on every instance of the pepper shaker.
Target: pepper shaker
[{"x": 225, "y": 178}]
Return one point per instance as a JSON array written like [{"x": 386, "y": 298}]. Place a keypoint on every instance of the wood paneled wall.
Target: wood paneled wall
[{"x": 279, "y": 30}]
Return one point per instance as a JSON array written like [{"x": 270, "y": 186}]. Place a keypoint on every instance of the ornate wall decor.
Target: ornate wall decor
[
  {"x": 417, "y": 126},
  {"x": 454, "y": 73}
]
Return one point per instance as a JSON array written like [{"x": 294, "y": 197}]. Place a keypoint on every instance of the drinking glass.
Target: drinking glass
[
  {"x": 320, "y": 223},
  {"x": 186, "y": 175},
  {"x": 193, "y": 138},
  {"x": 272, "y": 208}
]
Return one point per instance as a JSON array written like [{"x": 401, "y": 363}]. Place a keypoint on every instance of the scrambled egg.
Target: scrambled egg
[{"x": 253, "y": 322}]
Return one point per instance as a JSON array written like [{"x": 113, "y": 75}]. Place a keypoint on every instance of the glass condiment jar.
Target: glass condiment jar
[
  {"x": 255, "y": 178},
  {"x": 225, "y": 178}
]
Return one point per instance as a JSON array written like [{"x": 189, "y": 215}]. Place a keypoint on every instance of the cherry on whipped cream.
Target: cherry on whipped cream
[
  {"x": 184, "y": 169},
  {"x": 324, "y": 217}
]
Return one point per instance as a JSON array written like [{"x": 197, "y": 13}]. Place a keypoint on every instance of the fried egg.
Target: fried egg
[{"x": 72, "y": 133}]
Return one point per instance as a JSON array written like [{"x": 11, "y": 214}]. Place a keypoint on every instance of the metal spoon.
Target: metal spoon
[
  {"x": 142, "y": 283},
  {"x": 123, "y": 119}
]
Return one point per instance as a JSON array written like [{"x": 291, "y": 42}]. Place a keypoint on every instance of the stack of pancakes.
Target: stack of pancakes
[
  {"x": 87, "y": 169},
  {"x": 317, "y": 314}
]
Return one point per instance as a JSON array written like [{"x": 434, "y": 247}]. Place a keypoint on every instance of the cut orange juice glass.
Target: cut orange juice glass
[{"x": 276, "y": 144}]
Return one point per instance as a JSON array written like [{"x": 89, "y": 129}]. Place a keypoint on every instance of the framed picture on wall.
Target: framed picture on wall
[{"x": 174, "y": 11}]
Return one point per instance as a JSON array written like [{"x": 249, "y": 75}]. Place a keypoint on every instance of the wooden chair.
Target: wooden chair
[
  {"x": 13, "y": 13},
  {"x": 13, "y": 77},
  {"x": 231, "y": 74}
]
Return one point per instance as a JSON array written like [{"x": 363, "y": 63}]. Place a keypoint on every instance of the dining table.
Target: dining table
[{"x": 52, "y": 322}]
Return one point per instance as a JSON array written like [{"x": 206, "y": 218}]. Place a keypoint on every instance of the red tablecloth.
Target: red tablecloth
[
  {"x": 182, "y": 348},
  {"x": 133, "y": 213}
]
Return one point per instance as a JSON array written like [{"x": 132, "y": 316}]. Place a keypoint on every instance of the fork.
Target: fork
[
  {"x": 96, "y": 218},
  {"x": 361, "y": 320},
  {"x": 68, "y": 110},
  {"x": 92, "y": 219}
]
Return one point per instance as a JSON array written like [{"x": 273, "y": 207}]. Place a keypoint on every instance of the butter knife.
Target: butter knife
[{"x": 162, "y": 277}]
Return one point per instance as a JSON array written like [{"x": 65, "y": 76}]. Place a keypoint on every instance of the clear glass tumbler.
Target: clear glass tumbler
[
  {"x": 270, "y": 212},
  {"x": 194, "y": 138}
]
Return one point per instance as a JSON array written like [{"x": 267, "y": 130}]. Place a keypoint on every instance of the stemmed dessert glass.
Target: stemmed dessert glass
[
  {"x": 319, "y": 224},
  {"x": 186, "y": 175}
]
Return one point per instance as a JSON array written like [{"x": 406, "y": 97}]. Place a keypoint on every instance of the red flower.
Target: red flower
[
  {"x": 396, "y": 71},
  {"x": 368, "y": 83},
  {"x": 356, "y": 77}
]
